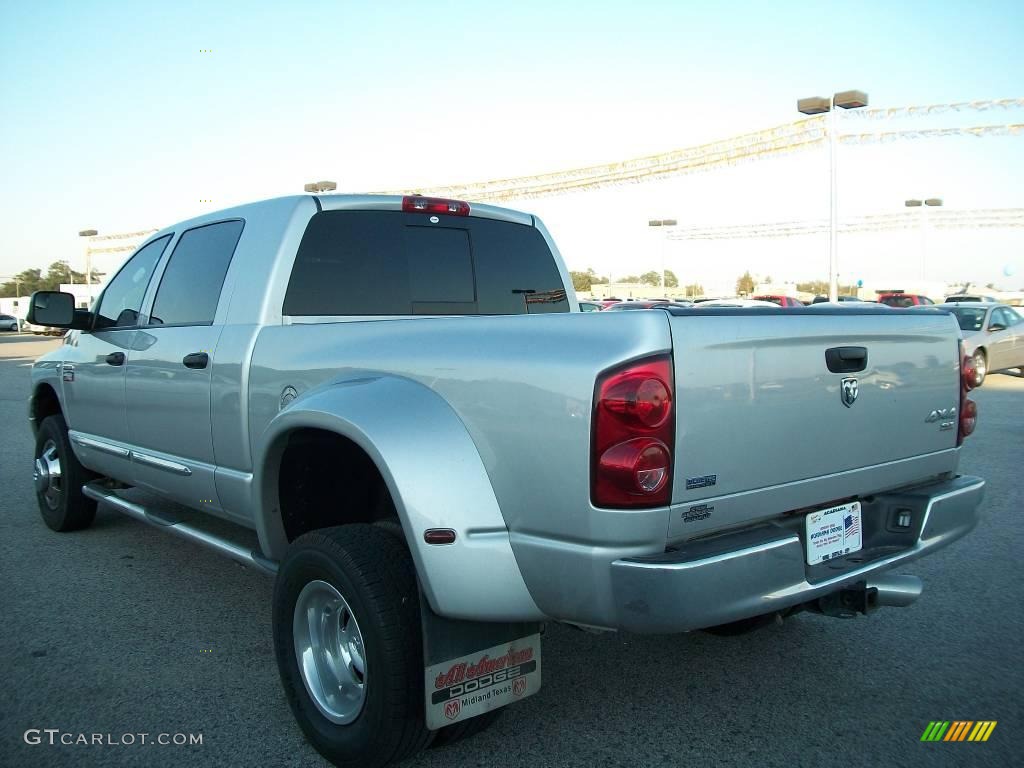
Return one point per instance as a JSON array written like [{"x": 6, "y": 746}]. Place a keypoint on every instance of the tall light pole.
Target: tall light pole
[
  {"x": 88, "y": 255},
  {"x": 924, "y": 205},
  {"x": 320, "y": 186},
  {"x": 662, "y": 223},
  {"x": 817, "y": 105}
]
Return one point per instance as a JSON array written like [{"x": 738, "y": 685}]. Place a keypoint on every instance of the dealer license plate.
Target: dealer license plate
[{"x": 834, "y": 532}]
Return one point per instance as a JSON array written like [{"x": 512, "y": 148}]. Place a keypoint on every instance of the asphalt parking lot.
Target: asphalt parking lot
[{"x": 122, "y": 630}]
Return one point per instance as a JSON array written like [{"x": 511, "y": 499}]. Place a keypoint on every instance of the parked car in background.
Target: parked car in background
[
  {"x": 782, "y": 301},
  {"x": 649, "y": 304},
  {"x": 605, "y": 303},
  {"x": 848, "y": 305},
  {"x": 39, "y": 330},
  {"x": 820, "y": 299},
  {"x": 8, "y": 323},
  {"x": 969, "y": 297},
  {"x": 993, "y": 336},
  {"x": 900, "y": 300},
  {"x": 737, "y": 303},
  {"x": 591, "y": 306}
]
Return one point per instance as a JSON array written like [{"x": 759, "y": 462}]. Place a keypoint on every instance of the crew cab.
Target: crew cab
[{"x": 434, "y": 452}]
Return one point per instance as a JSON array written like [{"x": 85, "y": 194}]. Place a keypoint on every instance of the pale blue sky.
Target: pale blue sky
[{"x": 112, "y": 117}]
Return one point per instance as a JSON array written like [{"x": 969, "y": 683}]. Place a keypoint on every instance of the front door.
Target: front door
[{"x": 94, "y": 367}]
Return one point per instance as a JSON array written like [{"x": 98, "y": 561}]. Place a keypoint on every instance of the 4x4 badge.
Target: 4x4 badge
[{"x": 848, "y": 392}]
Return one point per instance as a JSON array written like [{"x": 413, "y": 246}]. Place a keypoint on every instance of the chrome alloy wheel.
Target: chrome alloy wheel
[
  {"x": 47, "y": 475},
  {"x": 980, "y": 367},
  {"x": 329, "y": 651}
]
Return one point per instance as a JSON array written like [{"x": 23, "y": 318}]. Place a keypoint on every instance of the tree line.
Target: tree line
[
  {"x": 28, "y": 281},
  {"x": 584, "y": 281}
]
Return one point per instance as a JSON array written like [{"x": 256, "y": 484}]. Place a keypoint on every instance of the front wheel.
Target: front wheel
[
  {"x": 59, "y": 478},
  {"x": 980, "y": 367},
  {"x": 347, "y": 639}
]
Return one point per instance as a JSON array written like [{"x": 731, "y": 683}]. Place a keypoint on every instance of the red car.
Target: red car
[
  {"x": 900, "y": 300},
  {"x": 782, "y": 301}
]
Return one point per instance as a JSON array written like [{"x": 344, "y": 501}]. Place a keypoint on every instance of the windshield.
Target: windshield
[{"x": 970, "y": 319}]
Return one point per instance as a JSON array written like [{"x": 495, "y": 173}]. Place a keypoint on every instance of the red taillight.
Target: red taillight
[
  {"x": 633, "y": 436},
  {"x": 416, "y": 204},
  {"x": 968, "y": 373},
  {"x": 968, "y": 408},
  {"x": 640, "y": 398},
  {"x": 968, "y": 418}
]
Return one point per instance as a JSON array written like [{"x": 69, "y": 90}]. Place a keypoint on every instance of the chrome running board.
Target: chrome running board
[{"x": 184, "y": 530}]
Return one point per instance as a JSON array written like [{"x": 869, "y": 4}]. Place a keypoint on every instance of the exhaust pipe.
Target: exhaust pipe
[
  {"x": 864, "y": 597},
  {"x": 897, "y": 591}
]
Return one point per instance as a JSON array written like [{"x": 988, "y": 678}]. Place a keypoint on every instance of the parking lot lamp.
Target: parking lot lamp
[
  {"x": 88, "y": 255},
  {"x": 817, "y": 105},
  {"x": 664, "y": 245},
  {"x": 924, "y": 205}
]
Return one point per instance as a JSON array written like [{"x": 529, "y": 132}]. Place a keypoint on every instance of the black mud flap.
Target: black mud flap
[{"x": 472, "y": 667}]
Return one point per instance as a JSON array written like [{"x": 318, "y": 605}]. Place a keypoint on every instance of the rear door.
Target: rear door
[
  {"x": 763, "y": 403},
  {"x": 1018, "y": 338},
  {"x": 167, "y": 383},
  {"x": 1000, "y": 341}
]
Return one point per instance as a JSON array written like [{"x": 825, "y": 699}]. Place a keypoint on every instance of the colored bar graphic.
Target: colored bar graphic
[
  {"x": 935, "y": 730},
  {"x": 959, "y": 730}
]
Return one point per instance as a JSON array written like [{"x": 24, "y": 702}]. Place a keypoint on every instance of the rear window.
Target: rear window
[
  {"x": 396, "y": 263},
  {"x": 970, "y": 319},
  {"x": 897, "y": 301}
]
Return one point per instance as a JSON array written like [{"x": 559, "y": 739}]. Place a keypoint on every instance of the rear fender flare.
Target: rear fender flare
[{"x": 436, "y": 478}]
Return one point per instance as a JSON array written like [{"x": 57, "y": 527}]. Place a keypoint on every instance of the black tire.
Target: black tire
[
  {"x": 981, "y": 366},
  {"x": 62, "y": 504},
  {"x": 467, "y": 728},
  {"x": 372, "y": 570}
]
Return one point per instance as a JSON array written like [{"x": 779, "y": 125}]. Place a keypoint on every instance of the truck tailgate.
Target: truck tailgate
[{"x": 758, "y": 407}]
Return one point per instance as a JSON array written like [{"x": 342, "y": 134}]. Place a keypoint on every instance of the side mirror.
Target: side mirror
[
  {"x": 56, "y": 310},
  {"x": 997, "y": 327}
]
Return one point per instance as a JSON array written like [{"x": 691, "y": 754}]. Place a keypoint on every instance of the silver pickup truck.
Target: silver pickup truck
[{"x": 438, "y": 453}]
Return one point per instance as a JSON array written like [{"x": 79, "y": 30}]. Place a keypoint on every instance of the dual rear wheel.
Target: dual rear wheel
[{"x": 349, "y": 648}]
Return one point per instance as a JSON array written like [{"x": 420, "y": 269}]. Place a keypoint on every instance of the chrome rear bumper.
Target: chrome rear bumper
[{"x": 761, "y": 570}]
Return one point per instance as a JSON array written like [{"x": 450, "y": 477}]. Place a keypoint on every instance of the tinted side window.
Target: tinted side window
[
  {"x": 191, "y": 284},
  {"x": 122, "y": 298},
  {"x": 1001, "y": 316},
  {"x": 394, "y": 263}
]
